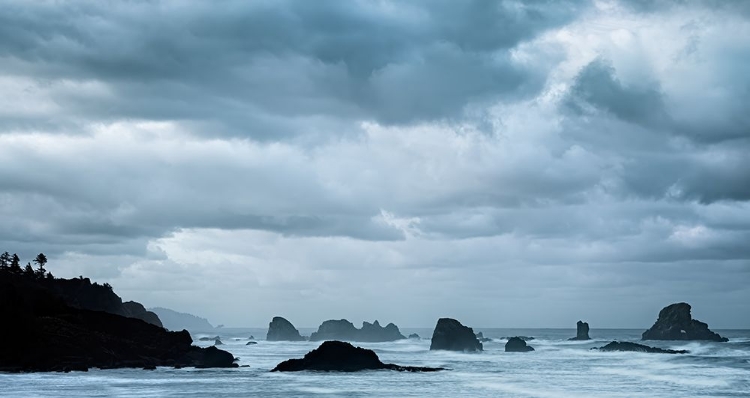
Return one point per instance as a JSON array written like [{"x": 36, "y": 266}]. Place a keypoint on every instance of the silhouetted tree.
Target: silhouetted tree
[
  {"x": 5, "y": 260},
  {"x": 41, "y": 260},
  {"x": 15, "y": 264},
  {"x": 28, "y": 270}
]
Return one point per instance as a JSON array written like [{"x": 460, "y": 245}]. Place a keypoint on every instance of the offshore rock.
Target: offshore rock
[
  {"x": 282, "y": 330},
  {"x": 481, "y": 338},
  {"x": 339, "y": 356},
  {"x": 344, "y": 330},
  {"x": 516, "y": 344},
  {"x": 633, "y": 347},
  {"x": 676, "y": 323},
  {"x": 450, "y": 334},
  {"x": 582, "y": 331}
]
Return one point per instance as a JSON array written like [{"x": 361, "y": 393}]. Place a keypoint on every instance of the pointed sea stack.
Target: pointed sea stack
[
  {"x": 676, "y": 323},
  {"x": 282, "y": 330},
  {"x": 582, "y": 331},
  {"x": 451, "y": 335},
  {"x": 338, "y": 356}
]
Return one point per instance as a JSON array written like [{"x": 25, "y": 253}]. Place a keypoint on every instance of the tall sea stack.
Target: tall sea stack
[
  {"x": 582, "y": 331},
  {"x": 451, "y": 335}
]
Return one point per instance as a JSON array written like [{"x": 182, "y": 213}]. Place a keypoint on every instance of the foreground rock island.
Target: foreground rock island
[
  {"x": 676, "y": 323},
  {"x": 66, "y": 324},
  {"x": 339, "y": 356},
  {"x": 344, "y": 330},
  {"x": 450, "y": 334},
  {"x": 282, "y": 330}
]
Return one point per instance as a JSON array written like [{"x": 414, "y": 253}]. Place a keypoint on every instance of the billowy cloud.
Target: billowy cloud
[{"x": 508, "y": 163}]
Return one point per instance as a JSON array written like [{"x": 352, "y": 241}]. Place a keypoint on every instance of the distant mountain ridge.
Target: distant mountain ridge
[{"x": 174, "y": 320}]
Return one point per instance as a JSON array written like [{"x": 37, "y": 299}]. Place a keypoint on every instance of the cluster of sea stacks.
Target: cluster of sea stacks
[{"x": 73, "y": 324}]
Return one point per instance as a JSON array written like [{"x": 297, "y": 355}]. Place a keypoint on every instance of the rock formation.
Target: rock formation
[
  {"x": 626, "y": 346},
  {"x": 481, "y": 338},
  {"x": 282, "y": 330},
  {"x": 344, "y": 330},
  {"x": 582, "y": 331},
  {"x": 516, "y": 344},
  {"x": 251, "y": 343},
  {"x": 136, "y": 310},
  {"x": 218, "y": 342},
  {"x": 60, "y": 337},
  {"x": 174, "y": 320},
  {"x": 414, "y": 336},
  {"x": 450, "y": 334},
  {"x": 342, "y": 357},
  {"x": 676, "y": 323}
]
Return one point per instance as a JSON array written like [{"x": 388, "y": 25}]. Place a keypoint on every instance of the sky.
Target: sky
[{"x": 505, "y": 163}]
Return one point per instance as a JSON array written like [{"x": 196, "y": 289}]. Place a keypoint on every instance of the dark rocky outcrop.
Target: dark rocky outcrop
[
  {"x": 81, "y": 293},
  {"x": 282, "y": 330},
  {"x": 344, "y": 330},
  {"x": 209, "y": 338},
  {"x": 676, "y": 323},
  {"x": 174, "y": 320},
  {"x": 136, "y": 310},
  {"x": 59, "y": 337},
  {"x": 414, "y": 336},
  {"x": 481, "y": 338},
  {"x": 340, "y": 356},
  {"x": 218, "y": 342},
  {"x": 582, "y": 331},
  {"x": 633, "y": 347},
  {"x": 251, "y": 343},
  {"x": 516, "y": 344},
  {"x": 450, "y": 334}
]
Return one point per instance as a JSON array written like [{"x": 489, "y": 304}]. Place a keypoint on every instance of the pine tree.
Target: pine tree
[
  {"x": 41, "y": 260},
  {"x": 15, "y": 264},
  {"x": 5, "y": 260},
  {"x": 28, "y": 270}
]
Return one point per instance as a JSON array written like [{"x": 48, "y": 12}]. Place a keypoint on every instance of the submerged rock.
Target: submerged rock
[
  {"x": 481, "y": 338},
  {"x": 582, "y": 331},
  {"x": 676, "y": 323},
  {"x": 282, "y": 330},
  {"x": 633, "y": 347},
  {"x": 516, "y": 344},
  {"x": 344, "y": 330},
  {"x": 414, "y": 336},
  {"x": 209, "y": 338},
  {"x": 340, "y": 356},
  {"x": 450, "y": 334},
  {"x": 251, "y": 343}
]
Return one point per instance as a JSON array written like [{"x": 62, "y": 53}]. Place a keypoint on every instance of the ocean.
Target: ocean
[{"x": 558, "y": 368}]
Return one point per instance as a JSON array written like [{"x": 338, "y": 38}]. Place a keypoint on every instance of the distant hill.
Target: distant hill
[{"x": 173, "y": 320}]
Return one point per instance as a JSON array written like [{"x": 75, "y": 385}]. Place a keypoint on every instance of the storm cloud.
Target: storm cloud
[{"x": 342, "y": 158}]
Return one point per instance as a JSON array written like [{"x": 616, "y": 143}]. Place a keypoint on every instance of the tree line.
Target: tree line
[{"x": 12, "y": 263}]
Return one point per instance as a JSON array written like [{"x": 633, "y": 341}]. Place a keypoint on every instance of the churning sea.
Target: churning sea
[{"x": 558, "y": 368}]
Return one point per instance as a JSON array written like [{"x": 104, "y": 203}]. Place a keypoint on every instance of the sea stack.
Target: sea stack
[
  {"x": 282, "y": 330},
  {"x": 517, "y": 344},
  {"x": 582, "y": 331},
  {"x": 676, "y": 323},
  {"x": 451, "y": 335},
  {"x": 344, "y": 330}
]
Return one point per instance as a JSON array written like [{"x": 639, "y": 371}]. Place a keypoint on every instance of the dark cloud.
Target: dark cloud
[
  {"x": 245, "y": 65},
  {"x": 544, "y": 154}
]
